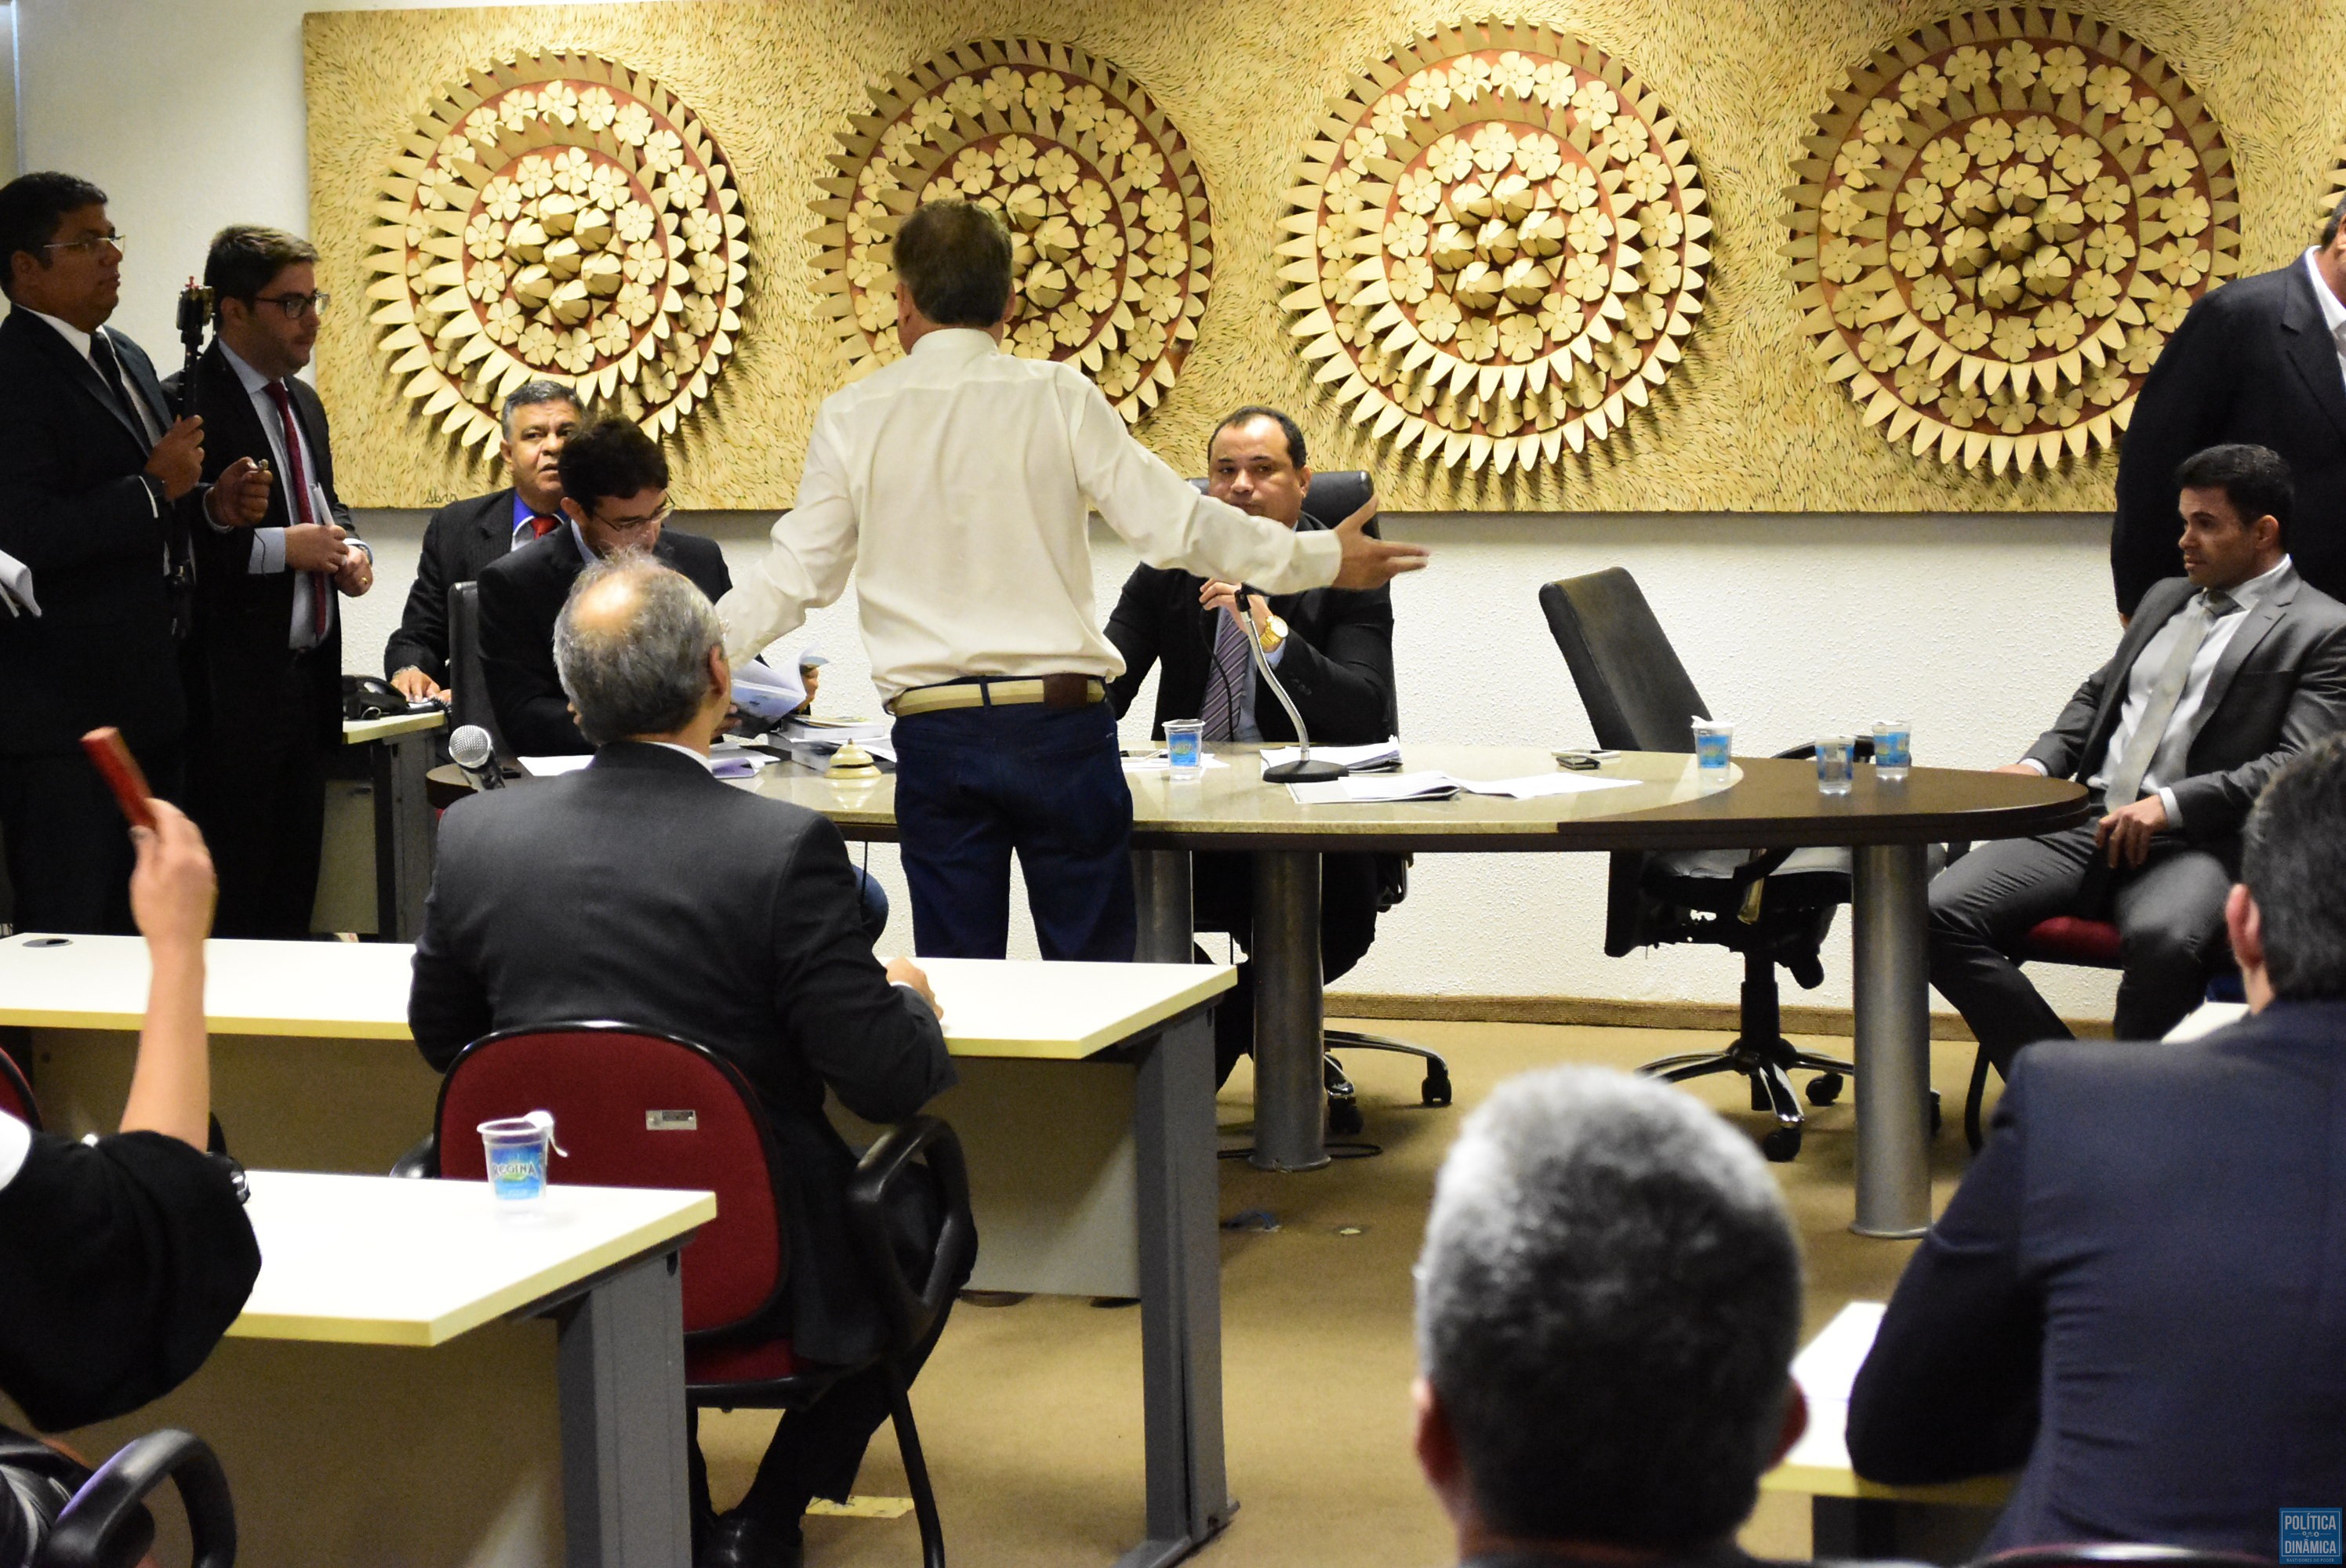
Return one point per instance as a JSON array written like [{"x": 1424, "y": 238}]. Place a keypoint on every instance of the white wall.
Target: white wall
[{"x": 1977, "y": 626}]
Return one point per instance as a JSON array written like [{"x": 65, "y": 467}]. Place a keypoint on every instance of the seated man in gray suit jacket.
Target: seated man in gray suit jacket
[
  {"x": 642, "y": 888},
  {"x": 2135, "y": 1293},
  {"x": 2221, "y": 677}
]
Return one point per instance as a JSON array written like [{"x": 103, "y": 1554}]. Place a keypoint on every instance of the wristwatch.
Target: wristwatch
[{"x": 1272, "y": 633}]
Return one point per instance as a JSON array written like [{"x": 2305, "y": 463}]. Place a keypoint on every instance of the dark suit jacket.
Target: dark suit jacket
[
  {"x": 1337, "y": 665},
  {"x": 521, "y": 595},
  {"x": 2281, "y": 685},
  {"x": 239, "y": 653},
  {"x": 462, "y": 538},
  {"x": 2136, "y": 1290},
  {"x": 76, "y": 508},
  {"x": 2250, "y": 363},
  {"x": 642, "y": 888}
]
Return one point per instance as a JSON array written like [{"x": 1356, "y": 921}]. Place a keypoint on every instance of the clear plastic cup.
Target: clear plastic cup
[
  {"x": 1893, "y": 748},
  {"x": 1836, "y": 756},
  {"x": 1713, "y": 740},
  {"x": 1185, "y": 748},
  {"x": 517, "y": 1149}
]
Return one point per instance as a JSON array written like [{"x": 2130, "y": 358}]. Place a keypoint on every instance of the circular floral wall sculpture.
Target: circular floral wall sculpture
[
  {"x": 2001, "y": 219},
  {"x": 1108, "y": 219},
  {"x": 559, "y": 216},
  {"x": 1497, "y": 244}
]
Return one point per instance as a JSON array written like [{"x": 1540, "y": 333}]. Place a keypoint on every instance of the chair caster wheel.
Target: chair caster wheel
[
  {"x": 1435, "y": 1090},
  {"x": 1936, "y": 1119},
  {"x": 1344, "y": 1118},
  {"x": 1782, "y": 1144},
  {"x": 1825, "y": 1088}
]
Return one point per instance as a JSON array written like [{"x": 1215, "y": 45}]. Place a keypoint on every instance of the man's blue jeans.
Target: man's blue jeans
[{"x": 973, "y": 784}]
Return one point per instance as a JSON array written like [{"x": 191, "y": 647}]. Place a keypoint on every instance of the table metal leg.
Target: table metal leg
[
  {"x": 405, "y": 833},
  {"x": 1180, "y": 1295},
  {"x": 1290, "y": 1098},
  {"x": 1893, "y": 1041},
  {"x": 620, "y": 1365},
  {"x": 1160, "y": 885}
]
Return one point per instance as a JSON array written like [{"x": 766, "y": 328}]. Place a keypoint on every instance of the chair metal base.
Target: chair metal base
[{"x": 1768, "y": 1063}]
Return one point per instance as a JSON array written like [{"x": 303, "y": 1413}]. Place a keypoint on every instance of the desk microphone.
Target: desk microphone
[
  {"x": 1304, "y": 770},
  {"x": 472, "y": 750}
]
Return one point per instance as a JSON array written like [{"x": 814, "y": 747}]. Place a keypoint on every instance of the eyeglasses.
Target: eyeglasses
[
  {"x": 629, "y": 524},
  {"x": 296, "y": 306},
  {"x": 89, "y": 244}
]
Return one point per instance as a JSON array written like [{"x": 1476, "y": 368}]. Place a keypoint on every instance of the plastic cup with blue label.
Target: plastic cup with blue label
[
  {"x": 1185, "y": 748},
  {"x": 1712, "y": 742},
  {"x": 517, "y": 1148},
  {"x": 1893, "y": 748},
  {"x": 1836, "y": 756}
]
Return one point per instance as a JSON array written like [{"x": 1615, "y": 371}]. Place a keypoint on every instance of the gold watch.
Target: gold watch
[{"x": 1272, "y": 634}]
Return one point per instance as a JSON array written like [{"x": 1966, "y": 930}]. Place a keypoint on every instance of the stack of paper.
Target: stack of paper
[
  {"x": 1355, "y": 791},
  {"x": 1357, "y": 758},
  {"x": 765, "y": 692},
  {"x": 813, "y": 740}
]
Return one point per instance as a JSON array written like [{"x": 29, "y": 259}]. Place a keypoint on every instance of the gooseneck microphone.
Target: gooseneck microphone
[
  {"x": 1306, "y": 768},
  {"x": 472, "y": 750}
]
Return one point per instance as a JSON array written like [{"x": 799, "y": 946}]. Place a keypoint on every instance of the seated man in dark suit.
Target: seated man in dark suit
[
  {"x": 2135, "y": 1293},
  {"x": 1332, "y": 650},
  {"x": 1606, "y": 1308},
  {"x": 465, "y": 536},
  {"x": 641, "y": 889},
  {"x": 2220, "y": 677},
  {"x": 614, "y": 498}
]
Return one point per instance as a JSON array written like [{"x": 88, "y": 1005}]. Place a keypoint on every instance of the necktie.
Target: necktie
[
  {"x": 109, "y": 371},
  {"x": 297, "y": 486},
  {"x": 1226, "y": 681},
  {"x": 2124, "y": 786},
  {"x": 540, "y": 525}
]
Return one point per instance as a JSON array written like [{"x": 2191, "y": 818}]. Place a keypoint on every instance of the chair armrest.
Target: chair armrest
[
  {"x": 99, "y": 1526},
  {"x": 885, "y": 1165},
  {"x": 421, "y": 1162}
]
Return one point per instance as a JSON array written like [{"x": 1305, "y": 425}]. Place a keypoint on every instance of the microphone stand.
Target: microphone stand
[{"x": 1306, "y": 768}]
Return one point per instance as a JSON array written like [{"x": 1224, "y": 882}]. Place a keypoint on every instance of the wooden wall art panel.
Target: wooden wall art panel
[
  {"x": 1754, "y": 415},
  {"x": 1498, "y": 247},
  {"x": 2001, "y": 220},
  {"x": 1110, "y": 226},
  {"x": 558, "y": 216}
]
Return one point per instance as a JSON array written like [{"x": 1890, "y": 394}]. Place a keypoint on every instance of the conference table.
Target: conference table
[
  {"x": 1085, "y": 1110},
  {"x": 1644, "y": 801}
]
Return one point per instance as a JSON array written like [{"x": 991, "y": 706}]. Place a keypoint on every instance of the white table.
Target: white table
[
  {"x": 1086, "y": 1109},
  {"x": 421, "y": 1379},
  {"x": 1855, "y": 1518}
]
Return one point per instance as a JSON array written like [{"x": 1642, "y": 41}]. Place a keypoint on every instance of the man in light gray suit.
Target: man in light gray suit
[{"x": 2218, "y": 679}]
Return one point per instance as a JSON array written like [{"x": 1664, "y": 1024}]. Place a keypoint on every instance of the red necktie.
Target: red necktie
[
  {"x": 321, "y": 583},
  {"x": 540, "y": 525}
]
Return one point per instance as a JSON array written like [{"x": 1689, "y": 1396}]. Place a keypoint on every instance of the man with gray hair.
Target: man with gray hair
[
  {"x": 2135, "y": 1296},
  {"x": 464, "y": 536},
  {"x": 640, "y": 888},
  {"x": 1607, "y": 1304}
]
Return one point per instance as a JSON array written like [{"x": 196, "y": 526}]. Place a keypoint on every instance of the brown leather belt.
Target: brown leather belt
[{"x": 1050, "y": 690}]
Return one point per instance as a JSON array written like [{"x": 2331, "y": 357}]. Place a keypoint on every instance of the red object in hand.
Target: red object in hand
[{"x": 113, "y": 759}]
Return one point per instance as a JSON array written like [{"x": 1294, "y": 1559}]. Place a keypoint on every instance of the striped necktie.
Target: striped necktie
[
  {"x": 1226, "y": 682},
  {"x": 2124, "y": 786},
  {"x": 297, "y": 487}
]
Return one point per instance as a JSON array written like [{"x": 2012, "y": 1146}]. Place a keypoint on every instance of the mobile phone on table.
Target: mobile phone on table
[{"x": 113, "y": 760}]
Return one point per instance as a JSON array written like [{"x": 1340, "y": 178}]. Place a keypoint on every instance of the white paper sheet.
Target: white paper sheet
[
  {"x": 1375, "y": 789},
  {"x": 767, "y": 692},
  {"x": 1540, "y": 785},
  {"x": 17, "y": 586},
  {"x": 1375, "y": 753}
]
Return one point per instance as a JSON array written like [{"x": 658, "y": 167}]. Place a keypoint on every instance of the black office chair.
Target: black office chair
[
  {"x": 1772, "y": 907},
  {"x": 1334, "y": 497},
  {"x": 55, "y": 1513},
  {"x": 471, "y": 702}
]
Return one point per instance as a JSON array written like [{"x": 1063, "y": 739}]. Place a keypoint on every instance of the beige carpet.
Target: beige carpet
[{"x": 1030, "y": 1414}]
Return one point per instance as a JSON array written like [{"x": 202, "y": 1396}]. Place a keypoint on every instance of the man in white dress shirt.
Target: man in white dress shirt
[
  {"x": 960, "y": 480},
  {"x": 2220, "y": 679}
]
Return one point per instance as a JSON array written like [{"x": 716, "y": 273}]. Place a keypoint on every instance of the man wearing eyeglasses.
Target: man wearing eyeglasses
[
  {"x": 97, "y": 485},
  {"x": 264, "y": 666},
  {"x": 614, "y": 498}
]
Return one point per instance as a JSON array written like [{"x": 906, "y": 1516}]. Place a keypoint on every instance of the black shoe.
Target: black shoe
[{"x": 739, "y": 1539}]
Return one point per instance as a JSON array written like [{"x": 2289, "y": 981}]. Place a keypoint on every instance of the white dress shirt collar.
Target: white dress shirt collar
[
  {"x": 2333, "y": 308},
  {"x": 254, "y": 383},
  {"x": 2257, "y": 589},
  {"x": 957, "y": 342},
  {"x": 65, "y": 330}
]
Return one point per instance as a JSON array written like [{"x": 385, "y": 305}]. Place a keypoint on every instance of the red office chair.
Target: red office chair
[
  {"x": 2063, "y": 939},
  {"x": 17, "y": 1095},
  {"x": 2117, "y": 1554},
  {"x": 599, "y": 1079}
]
